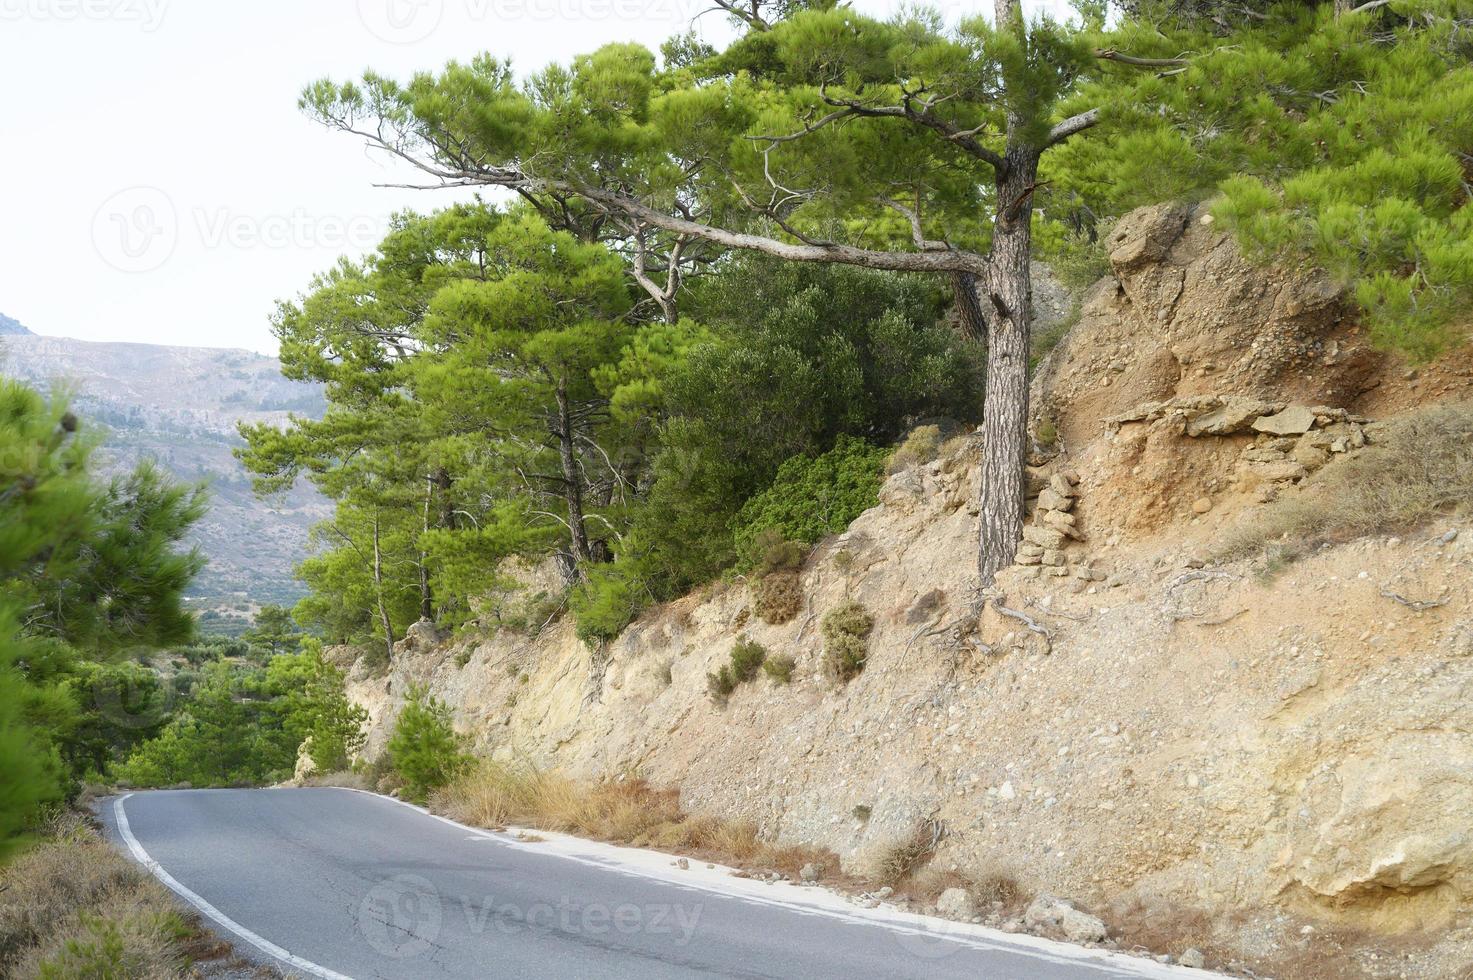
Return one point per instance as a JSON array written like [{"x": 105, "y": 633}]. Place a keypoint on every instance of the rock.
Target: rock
[
  {"x": 1029, "y": 548},
  {"x": 1059, "y": 484},
  {"x": 1192, "y": 957},
  {"x": 1044, "y": 537},
  {"x": 1063, "y": 523},
  {"x": 1234, "y": 415},
  {"x": 955, "y": 903},
  {"x": 1053, "y": 557},
  {"x": 1006, "y": 791},
  {"x": 683, "y": 864},
  {"x": 885, "y": 892},
  {"x": 809, "y": 872},
  {"x": 1292, "y": 421},
  {"x": 1049, "y": 914},
  {"x": 1049, "y": 499},
  {"x": 1201, "y": 505},
  {"x": 1023, "y": 559}
]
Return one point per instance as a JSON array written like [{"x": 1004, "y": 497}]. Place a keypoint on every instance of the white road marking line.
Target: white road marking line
[
  {"x": 927, "y": 928},
  {"x": 264, "y": 945}
]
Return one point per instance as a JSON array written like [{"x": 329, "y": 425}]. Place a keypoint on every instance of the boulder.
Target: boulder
[
  {"x": 955, "y": 903},
  {"x": 1048, "y": 914}
]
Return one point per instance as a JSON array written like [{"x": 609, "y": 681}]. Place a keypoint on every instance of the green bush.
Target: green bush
[
  {"x": 424, "y": 749},
  {"x": 812, "y": 496},
  {"x": 779, "y": 668},
  {"x": 747, "y": 657},
  {"x": 846, "y": 631}
]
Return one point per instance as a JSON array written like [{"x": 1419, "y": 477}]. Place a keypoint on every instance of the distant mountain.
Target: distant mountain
[
  {"x": 10, "y": 325},
  {"x": 180, "y": 405}
]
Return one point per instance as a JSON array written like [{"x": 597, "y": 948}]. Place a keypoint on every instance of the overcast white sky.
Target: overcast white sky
[{"x": 157, "y": 182}]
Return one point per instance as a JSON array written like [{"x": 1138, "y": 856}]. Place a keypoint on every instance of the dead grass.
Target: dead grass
[
  {"x": 900, "y": 861},
  {"x": 72, "y": 906},
  {"x": 345, "y": 779},
  {"x": 1420, "y": 467},
  {"x": 777, "y": 597},
  {"x": 625, "y": 811}
]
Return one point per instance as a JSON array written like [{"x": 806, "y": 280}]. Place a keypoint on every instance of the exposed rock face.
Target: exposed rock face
[
  {"x": 1158, "y": 730},
  {"x": 1185, "y": 314}
]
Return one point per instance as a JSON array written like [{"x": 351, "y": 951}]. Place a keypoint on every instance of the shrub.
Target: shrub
[
  {"x": 921, "y": 446},
  {"x": 1420, "y": 467},
  {"x": 424, "y": 749},
  {"x": 747, "y": 657},
  {"x": 778, "y": 597},
  {"x": 846, "y": 631},
  {"x": 779, "y": 668},
  {"x": 812, "y": 496},
  {"x": 771, "y": 552}
]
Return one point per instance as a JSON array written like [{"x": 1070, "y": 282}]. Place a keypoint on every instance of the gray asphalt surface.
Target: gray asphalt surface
[{"x": 361, "y": 886}]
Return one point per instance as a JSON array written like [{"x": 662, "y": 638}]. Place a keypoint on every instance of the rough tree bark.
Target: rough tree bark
[{"x": 572, "y": 478}]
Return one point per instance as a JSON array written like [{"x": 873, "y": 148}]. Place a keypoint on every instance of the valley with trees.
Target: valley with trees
[{"x": 926, "y": 456}]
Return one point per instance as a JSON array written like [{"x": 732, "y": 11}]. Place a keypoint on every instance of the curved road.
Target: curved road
[{"x": 335, "y": 883}]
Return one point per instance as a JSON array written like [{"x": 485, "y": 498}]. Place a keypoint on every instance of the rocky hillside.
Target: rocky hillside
[
  {"x": 1271, "y": 764},
  {"x": 180, "y": 405}
]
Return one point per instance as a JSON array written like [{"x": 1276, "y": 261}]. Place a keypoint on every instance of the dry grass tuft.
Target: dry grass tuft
[
  {"x": 1419, "y": 468},
  {"x": 777, "y": 597},
  {"x": 72, "y": 906},
  {"x": 921, "y": 446},
  {"x": 900, "y": 861},
  {"x": 625, "y": 811}
]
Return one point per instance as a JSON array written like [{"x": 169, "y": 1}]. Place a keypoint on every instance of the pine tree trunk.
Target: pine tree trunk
[
  {"x": 968, "y": 303},
  {"x": 378, "y": 582},
  {"x": 1005, "y": 414},
  {"x": 572, "y": 478},
  {"x": 426, "y": 598}
]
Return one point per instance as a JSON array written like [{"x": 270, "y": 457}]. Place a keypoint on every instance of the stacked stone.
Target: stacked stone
[{"x": 1053, "y": 529}]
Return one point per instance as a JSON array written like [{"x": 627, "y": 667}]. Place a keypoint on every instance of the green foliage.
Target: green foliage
[
  {"x": 846, "y": 631},
  {"x": 243, "y": 725},
  {"x": 88, "y": 571},
  {"x": 747, "y": 657},
  {"x": 812, "y": 496},
  {"x": 780, "y": 668},
  {"x": 273, "y": 630},
  {"x": 424, "y": 749},
  {"x": 1337, "y": 141}
]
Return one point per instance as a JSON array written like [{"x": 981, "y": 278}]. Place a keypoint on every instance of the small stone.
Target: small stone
[
  {"x": 1192, "y": 957},
  {"x": 955, "y": 903},
  {"x": 1006, "y": 791},
  {"x": 1059, "y": 484},
  {"x": 885, "y": 892},
  {"x": 1449, "y": 537},
  {"x": 683, "y": 864},
  {"x": 1292, "y": 421},
  {"x": 808, "y": 872},
  {"x": 1201, "y": 505},
  {"x": 1053, "y": 557}
]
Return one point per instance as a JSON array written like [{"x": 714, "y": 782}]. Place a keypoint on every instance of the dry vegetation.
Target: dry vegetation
[
  {"x": 72, "y": 906},
  {"x": 1420, "y": 467},
  {"x": 626, "y": 811}
]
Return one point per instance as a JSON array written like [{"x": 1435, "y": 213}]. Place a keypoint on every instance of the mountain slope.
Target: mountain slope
[{"x": 180, "y": 406}]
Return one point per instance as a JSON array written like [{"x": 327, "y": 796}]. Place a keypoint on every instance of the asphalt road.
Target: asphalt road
[{"x": 334, "y": 883}]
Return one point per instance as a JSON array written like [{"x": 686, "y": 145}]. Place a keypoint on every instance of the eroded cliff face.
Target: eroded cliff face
[{"x": 1121, "y": 720}]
